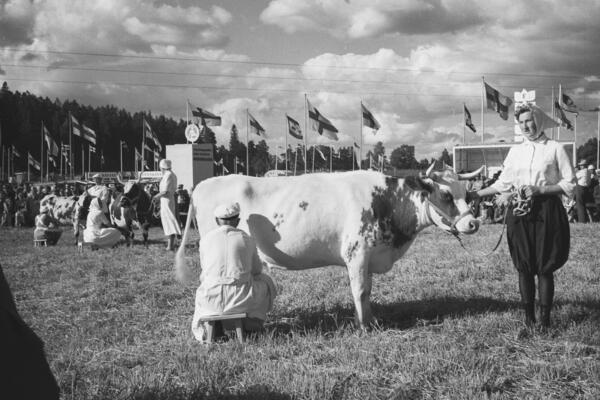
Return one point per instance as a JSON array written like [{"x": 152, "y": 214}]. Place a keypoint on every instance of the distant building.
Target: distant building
[{"x": 470, "y": 157}]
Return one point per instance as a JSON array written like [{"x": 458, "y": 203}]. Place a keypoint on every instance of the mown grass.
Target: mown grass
[{"x": 117, "y": 326}]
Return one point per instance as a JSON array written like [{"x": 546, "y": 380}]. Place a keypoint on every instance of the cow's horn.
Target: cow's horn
[
  {"x": 469, "y": 175},
  {"x": 430, "y": 170}
]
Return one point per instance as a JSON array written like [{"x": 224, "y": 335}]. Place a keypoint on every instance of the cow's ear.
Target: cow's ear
[{"x": 418, "y": 184}]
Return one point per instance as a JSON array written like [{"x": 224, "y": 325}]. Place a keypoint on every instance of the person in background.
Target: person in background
[
  {"x": 168, "y": 211},
  {"x": 582, "y": 195},
  {"x": 231, "y": 280},
  {"x": 98, "y": 230},
  {"x": 100, "y": 191},
  {"x": 20, "y": 209},
  {"x": 46, "y": 227},
  {"x": 183, "y": 202},
  {"x": 538, "y": 234}
]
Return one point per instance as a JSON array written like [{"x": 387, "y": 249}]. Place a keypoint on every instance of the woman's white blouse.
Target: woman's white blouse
[{"x": 541, "y": 163}]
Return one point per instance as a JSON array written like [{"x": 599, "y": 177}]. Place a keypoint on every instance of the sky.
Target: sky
[{"x": 412, "y": 63}]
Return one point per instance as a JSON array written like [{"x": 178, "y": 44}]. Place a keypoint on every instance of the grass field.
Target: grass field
[{"x": 117, "y": 326}]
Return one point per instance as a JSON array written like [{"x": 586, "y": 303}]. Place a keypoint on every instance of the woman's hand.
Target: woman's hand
[{"x": 531, "y": 191}]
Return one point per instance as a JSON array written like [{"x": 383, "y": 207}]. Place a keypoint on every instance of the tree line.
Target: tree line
[{"x": 22, "y": 115}]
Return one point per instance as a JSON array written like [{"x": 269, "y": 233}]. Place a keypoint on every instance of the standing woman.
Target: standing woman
[
  {"x": 166, "y": 194},
  {"x": 538, "y": 232}
]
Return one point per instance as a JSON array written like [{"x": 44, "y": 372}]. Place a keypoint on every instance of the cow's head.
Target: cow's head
[
  {"x": 443, "y": 200},
  {"x": 131, "y": 190}
]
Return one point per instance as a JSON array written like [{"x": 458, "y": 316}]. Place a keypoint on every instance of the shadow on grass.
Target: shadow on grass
[{"x": 406, "y": 315}]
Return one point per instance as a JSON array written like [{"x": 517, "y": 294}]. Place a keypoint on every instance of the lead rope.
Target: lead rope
[
  {"x": 520, "y": 204},
  {"x": 455, "y": 234}
]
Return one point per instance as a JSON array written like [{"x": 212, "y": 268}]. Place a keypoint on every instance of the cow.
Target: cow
[
  {"x": 136, "y": 197},
  {"x": 362, "y": 220},
  {"x": 62, "y": 207}
]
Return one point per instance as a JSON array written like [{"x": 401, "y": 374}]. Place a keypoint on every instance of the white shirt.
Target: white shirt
[
  {"x": 583, "y": 177},
  {"x": 540, "y": 163}
]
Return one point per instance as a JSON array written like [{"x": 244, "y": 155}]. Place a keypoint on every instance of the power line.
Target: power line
[
  {"x": 236, "y": 76},
  {"x": 230, "y": 88},
  {"x": 294, "y": 65},
  {"x": 240, "y": 76}
]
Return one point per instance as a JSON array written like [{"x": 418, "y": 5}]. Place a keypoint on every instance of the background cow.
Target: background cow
[
  {"x": 362, "y": 220},
  {"x": 62, "y": 207},
  {"x": 141, "y": 203}
]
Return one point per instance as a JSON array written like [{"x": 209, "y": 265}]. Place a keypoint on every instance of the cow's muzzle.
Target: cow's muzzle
[{"x": 442, "y": 220}]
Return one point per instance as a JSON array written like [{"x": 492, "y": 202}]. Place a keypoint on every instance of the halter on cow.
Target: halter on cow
[{"x": 362, "y": 220}]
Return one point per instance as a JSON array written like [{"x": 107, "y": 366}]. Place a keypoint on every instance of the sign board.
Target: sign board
[
  {"x": 191, "y": 163},
  {"x": 192, "y": 133}
]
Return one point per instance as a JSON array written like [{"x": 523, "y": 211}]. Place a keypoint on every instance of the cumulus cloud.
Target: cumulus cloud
[
  {"x": 111, "y": 26},
  {"x": 365, "y": 18},
  {"x": 16, "y": 22}
]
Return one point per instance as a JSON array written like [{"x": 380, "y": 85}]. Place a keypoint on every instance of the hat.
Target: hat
[
  {"x": 591, "y": 167},
  {"x": 582, "y": 162},
  {"x": 180, "y": 186},
  {"x": 227, "y": 211},
  {"x": 96, "y": 176},
  {"x": 165, "y": 164}
]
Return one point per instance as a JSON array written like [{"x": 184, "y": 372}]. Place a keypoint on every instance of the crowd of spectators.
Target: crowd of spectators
[{"x": 20, "y": 202}]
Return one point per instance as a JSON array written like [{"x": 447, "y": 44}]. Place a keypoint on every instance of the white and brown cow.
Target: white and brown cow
[
  {"x": 363, "y": 220},
  {"x": 62, "y": 207}
]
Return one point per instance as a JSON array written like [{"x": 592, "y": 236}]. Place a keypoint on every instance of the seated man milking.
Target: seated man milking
[{"x": 231, "y": 280}]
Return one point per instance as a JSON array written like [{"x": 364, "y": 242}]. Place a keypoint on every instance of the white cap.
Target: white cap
[
  {"x": 96, "y": 176},
  {"x": 227, "y": 211},
  {"x": 164, "y": 164},
  {"x": 591, "y": 167}
]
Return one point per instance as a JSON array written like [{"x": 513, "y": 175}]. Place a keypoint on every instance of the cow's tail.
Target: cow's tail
[{"x": 183, "y": 272}]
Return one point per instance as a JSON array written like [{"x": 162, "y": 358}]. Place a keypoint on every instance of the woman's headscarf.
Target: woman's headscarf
[{"x": 542, "y": 120}]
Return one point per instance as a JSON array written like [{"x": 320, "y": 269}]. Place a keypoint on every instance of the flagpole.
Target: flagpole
[
  {"x": 28, "y": 166},
  {"x": 330, "y": 159},
  {"x": 598, "y": 143},
  {"x": 575, "y": 133},
  {"x": 313, "y": 158},
  {"x": 48, "y": 165},
  {"x": 305, "y": 133},
  {"x": 82, "y": 162},
  {"x": 464, "y": 124},
  {"x": 286, "y": 144},
  {"x": 559, "y": 96},
  {"x": 482, "y": 105},
  {"x": 352, "y": 149},
  {"x": 143, "y": 143},
  {"x": 361, "y": 139},
  {"x": 89, "y": 158},
  {"x": 295, "y": 160},
  {"x": 2, "y": 148},
  {"x": 121, "y": 156},
  {"x": 247, "y": 150},
  {"x": 71, "y": 163},
  {"x": 41, "y": 153},
  {"x": 553, "y": 111}
]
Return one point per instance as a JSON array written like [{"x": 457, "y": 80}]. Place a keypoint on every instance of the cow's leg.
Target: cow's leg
[
  {"x": 145, "y": 228},
  {"x": 360, "y": 284}
]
